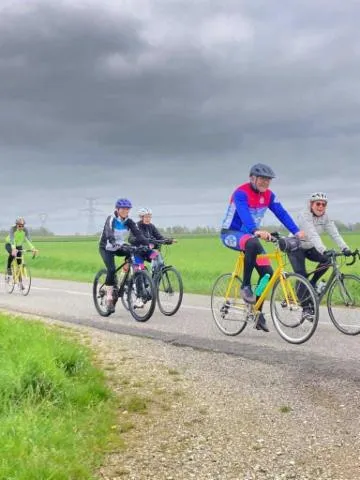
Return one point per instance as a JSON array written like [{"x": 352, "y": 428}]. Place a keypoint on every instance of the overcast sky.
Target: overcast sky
[{"x": 169, "y": 103}]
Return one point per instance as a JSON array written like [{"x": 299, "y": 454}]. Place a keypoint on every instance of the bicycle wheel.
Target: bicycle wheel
[
  {"x": 125, "y": 295},
  {"x": 294, "y": 308},
  {"x": 343, "y": 303},
  {"x": 99, "y": 293},
  {"x": 169, "y": 290},
  {"x": 9, "y": 280},
  {"x": 228, "y": 309},
  {"x": 141, "y": 296},
  {"x": 24, "y": 280}
]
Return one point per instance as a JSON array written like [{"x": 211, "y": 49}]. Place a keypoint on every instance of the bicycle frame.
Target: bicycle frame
[
  {"x": 277, "y": 256},
  {"x": 335, "y": 274}
]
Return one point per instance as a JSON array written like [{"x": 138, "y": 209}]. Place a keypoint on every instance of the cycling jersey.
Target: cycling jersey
[
  {"x": 17, "y": 238},
  {"x": 116, "y": 231},
  {"x": 247, "y": 208}
]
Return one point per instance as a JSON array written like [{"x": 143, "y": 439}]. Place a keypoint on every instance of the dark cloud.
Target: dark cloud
[{"x": 173, "y": 101}]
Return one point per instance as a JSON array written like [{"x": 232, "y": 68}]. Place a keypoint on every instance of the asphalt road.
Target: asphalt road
[{"x": 328, "y": 352}]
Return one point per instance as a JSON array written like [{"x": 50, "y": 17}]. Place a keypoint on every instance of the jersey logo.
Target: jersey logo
[
  {"x": 230, "y": 240},
  {"x": 262, "y": 199}
]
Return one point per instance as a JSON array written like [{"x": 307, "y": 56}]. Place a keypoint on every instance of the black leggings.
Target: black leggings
[
  {"x": 10, "y": 257},
  {"x": 109, "y": 260},
  {"x": 297, "y": 260},
  {"x": 253, "y": 248}
]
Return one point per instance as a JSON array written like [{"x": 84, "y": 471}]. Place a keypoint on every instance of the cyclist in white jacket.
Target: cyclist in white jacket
[{"x": 314, "y": 221}]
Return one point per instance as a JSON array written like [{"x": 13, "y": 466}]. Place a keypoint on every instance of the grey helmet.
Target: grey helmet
[{"x": 262, "y": 170}]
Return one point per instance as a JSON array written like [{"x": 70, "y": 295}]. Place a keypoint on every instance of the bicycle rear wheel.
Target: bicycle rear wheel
[
  {"x": 228, "y": 309},
  {"x": 99, "y": 293},
  {"x": 343, "y": 303},
  {"x": 294, "y": 308},
  {"x": 9, "y": 280},
  {"x": 169, "y": 290},
  {"x": 25, "y": 280},
  {"x": 141, "y": 296}
]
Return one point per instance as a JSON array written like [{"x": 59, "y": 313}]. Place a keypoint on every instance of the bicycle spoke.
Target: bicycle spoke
[
  {"x": 169, "y": 290},
  {"x": 228, "y": 309},
  {"x": 294, "y": 308}
]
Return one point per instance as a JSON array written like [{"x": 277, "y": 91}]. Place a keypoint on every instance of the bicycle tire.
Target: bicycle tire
[
  {"x": 288, "y": 316},
  {"x": 125, "y": 296},
  {"x": 99, "y": 293},
  {"x": 141, "y": 296},
  {"x": 9, "y": 280},
  {"x": 335, "y": 296},
  {"x": 25, "y": 280},
  {"x": 169, "y": 290},
  {"x": 229, "y": 313}
]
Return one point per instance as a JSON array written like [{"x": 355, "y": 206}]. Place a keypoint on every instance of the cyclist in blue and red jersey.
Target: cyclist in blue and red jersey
[{"x": 241, "y": 227}]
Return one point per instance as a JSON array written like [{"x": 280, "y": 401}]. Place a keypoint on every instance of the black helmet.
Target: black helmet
[{"x": 262, "y": 170}]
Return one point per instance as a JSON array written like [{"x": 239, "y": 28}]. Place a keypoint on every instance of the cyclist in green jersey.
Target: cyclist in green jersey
[{"x": 14, "y": 242}]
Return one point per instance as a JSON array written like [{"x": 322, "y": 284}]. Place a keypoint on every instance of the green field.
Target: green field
[{"x": 199, "y": 259}]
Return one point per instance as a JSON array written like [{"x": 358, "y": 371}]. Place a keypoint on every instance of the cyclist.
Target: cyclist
[
  {"x": 15, "y": 240},
  {"x": 113, "y": 242},
  {"x": 241, "y": 227},
  {"x": 314, "y": 220},
  {"x": 149, "y": 231}
]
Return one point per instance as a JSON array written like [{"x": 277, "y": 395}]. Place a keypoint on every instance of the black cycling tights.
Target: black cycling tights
[{"x": 253, "y": 248}]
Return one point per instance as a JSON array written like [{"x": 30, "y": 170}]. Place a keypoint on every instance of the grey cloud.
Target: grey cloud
[{"x": 172, "y": 101}]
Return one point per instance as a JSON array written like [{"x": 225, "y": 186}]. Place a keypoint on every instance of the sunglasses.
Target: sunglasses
[
  {"x": 320, "y": 204},
  {"x": 20, "y": 225}
]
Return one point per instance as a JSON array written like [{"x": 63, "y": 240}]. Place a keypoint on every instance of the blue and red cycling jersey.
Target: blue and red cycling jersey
[{"x": 247, "y": 208}]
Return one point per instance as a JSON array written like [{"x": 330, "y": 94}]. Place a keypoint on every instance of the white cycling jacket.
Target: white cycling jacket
[{"x": 314, "y": 226}]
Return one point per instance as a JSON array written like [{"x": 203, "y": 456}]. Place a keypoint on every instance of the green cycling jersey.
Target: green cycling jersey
[{"x": 17, "y": 238}]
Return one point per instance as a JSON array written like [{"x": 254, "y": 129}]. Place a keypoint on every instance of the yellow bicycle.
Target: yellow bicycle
[
  {"x": 20, "y": 275},
  {"x": 293, "y": 304}
]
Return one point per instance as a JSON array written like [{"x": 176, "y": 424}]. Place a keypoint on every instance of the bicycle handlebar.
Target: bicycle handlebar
[{"x": 354, "y": 254}]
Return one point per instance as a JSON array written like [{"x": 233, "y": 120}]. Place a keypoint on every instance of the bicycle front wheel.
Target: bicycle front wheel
[
  {"x": 99, "y": 293},
  {"x": 228, "y": 309},
  {"x": 169, "y": 290},
  {"x": 141, "y": 296},
  {"x": 25, "y": 280},
  {"x": 343, "y": 303},
  {"x": 294, "y": 308}
]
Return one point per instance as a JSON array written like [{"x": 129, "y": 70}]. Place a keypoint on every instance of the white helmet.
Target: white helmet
[
  {"x": 318, "y": 196},
  {"x": 144, "y": 211}
]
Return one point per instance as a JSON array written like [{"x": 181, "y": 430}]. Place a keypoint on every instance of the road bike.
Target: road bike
[
  {"x": 20, "y": 274},
  {"x": 294, "y": 307},
  {"x": 342, "y": 294},
  {"x": 132, "y": 284}
]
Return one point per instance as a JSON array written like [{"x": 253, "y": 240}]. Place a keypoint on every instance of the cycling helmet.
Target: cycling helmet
[
  {"x": 262, "y": 170},
  {"x": 144, "y": 211},
  {"x": 318, "y": 196},
  {"x": 123, "y": 203},
  {"x": 20, "y": 220}
]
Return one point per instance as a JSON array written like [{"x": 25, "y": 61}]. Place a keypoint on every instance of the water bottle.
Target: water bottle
[
  {"x": 262, "y": 284},
  {"x": 320, "y": 287}
]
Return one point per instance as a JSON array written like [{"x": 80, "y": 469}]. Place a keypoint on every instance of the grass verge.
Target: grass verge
[{"x": 56, "y": 411}]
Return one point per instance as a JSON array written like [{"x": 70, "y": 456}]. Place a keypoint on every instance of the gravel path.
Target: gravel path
[{"x": 215, "y": 416}]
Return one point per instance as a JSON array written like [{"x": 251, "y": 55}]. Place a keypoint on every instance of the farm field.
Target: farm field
[{"x": 200, "y": 259}]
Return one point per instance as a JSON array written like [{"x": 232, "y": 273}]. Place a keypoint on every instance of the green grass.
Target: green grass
[
  {"x": 56, "y": 411},
  {"x": 200, "y": 259}
]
